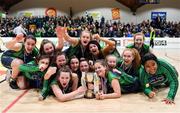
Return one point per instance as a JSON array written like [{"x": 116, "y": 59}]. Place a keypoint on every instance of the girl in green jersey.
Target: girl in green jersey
[{"x": 155, "y": 73}]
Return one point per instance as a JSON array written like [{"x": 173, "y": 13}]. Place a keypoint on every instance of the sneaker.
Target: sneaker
[
  {"x": 13, "y": 84},
  {"x": 42, "y": 97},
  {"x": 8, "y": 75}
]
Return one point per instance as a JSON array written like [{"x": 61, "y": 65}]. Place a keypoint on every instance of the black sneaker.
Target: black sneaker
[{"x": 13, "y": 84}]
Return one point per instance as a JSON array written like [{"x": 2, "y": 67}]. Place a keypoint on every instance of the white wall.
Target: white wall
[
  {"x": 102, "y": 6},
  {"x": 79, "y": 7},
  {"x": 38, "y": 7},
  {"x": 172, "y": 7}
]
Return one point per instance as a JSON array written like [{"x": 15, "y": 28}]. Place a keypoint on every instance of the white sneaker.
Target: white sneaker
[
  {"x": 41, "y": 97},
  {"x": 8, "y": 74}
]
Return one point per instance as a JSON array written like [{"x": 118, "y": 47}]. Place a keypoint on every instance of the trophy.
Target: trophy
[{"x": 89, "y": 79}]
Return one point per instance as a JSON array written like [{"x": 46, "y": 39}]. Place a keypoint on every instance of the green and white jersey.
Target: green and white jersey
[
  {"x": 30, "y": 70},
  {"x": 166, "y": 74},
  {"x": 22, "y": 55},
  {"x": 124, "y": 79}
]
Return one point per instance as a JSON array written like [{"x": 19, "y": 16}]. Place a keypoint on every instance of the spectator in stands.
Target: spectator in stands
[
  {"x": 158, "y": 21},
  {"x": 20, "y": 30},
  {"x": 152, "y": 37},
  {"x": 76, "y": 25},
  {"x": 129, "y": 34}
]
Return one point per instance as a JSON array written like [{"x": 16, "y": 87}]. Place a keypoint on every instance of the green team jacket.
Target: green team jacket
[
  {"x": 117, "y": 54},
  {"x": 21, "y": 54},
  {"x": 75, "y": 50},
  {"x": 124, "y": 79},
  {"x": 145, "y": 49},
  {"x": 166, "y": 73},
  {"x": 31, "y": 69}
]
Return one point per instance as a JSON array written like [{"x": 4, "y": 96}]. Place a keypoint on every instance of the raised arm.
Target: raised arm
[
  {"x": 59, "y": 33},
  {"x": 51, "y": 70},
  {"x": 109, "y": 43},
  {"x": 172, "y": 77},
  {"x": 14, "y": 43},
  {"x": 72, "y": 41}
]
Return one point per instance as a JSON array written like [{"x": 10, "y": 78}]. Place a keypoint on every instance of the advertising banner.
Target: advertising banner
[
  {"x": 162, "y": 15},
  {"x": 115, "y": 13}
]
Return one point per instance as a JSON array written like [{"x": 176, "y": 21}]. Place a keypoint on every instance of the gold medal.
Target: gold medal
[{"x": 147, "y": 85}]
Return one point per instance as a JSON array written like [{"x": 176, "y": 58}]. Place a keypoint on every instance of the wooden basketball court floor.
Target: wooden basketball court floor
[{"x": 26, "y": 101}]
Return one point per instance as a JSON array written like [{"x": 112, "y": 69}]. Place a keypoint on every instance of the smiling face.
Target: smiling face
[
  {"x": 49, "y": 48},
  {"x": 61, "y": 60},
  {"x": 150, "y": 67},
  {"x": 74, "y": 64},
  {"x": 100, "y": 69},
  {"x": 85, "y": 38},
  {"x": 29, "y": 45},
  {"x": 84, "y": 66},
  {"x": 93, "y": 48},
  {"x": 111, "y": 61},
  {"x": 138, "y": 41},
  {"x": 128, "y": 57},
  {"x": 64, "y": 79}
]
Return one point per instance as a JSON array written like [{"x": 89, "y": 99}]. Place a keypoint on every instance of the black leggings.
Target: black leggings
[
  {"x": 152, "y": 43},
  {"x": 132, "y": 88}
]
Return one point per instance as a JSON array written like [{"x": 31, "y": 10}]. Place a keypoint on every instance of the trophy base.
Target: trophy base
[{"x": 89, "y": 94}]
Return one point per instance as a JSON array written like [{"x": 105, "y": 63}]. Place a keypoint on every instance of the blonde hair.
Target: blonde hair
[
  {"x": 106, "y": 59},
  {"x": 139, "y": 33},
  {"x": 86, "y": 31},
  {"x": 136, "y": 63}
]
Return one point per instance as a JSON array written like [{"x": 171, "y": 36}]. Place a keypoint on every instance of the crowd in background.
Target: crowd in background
[{"x": 44, "y": 26}]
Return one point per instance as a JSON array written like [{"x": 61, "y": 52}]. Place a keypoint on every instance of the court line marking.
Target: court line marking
[
  {"x": 2, "y": 79},
  {"x": 14, "y": 102}
]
